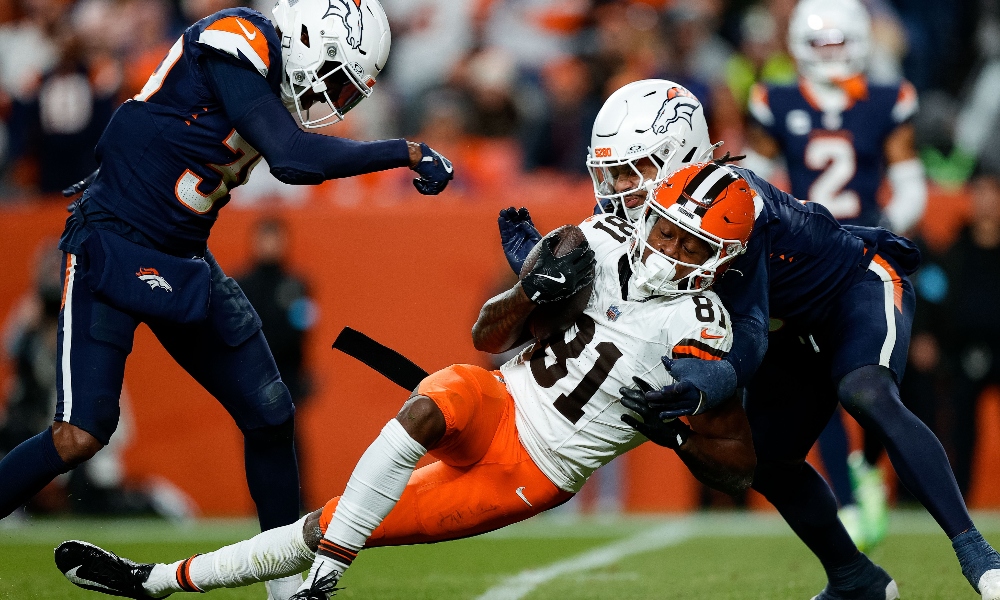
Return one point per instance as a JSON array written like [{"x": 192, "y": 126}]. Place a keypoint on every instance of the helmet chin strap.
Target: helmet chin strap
[{"x": 650, "y": 276}]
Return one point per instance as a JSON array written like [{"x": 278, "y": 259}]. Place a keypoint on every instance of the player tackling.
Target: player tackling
[{"x": 518, "y": 441}]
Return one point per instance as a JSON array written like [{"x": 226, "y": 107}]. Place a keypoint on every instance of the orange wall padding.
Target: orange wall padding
[{"x": 411, "y": 272}]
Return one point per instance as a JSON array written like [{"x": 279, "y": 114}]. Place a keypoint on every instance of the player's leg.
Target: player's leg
[
  {"x": 475, "y": 487},
  {"x": 230, "y": 358},
  {"x": 871, "y": 326},
  {"x": 787, "y": 411},
  {"x": 93, "y": 342},
  {"x": 833, "y": 449}
]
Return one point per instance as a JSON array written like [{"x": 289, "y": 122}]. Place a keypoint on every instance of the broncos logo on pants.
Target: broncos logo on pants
[{"x": 349, "y": 12}]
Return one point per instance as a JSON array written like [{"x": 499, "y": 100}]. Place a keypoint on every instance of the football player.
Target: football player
[
  {"x": 832, "y": 309},
  {"x": 521, "y": 440},
  {"x": 840, "y": 134},
  {"x": 136, "y": 243}
]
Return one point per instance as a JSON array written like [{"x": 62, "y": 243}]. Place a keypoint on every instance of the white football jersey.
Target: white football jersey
[{"x": 565, "y": 390}]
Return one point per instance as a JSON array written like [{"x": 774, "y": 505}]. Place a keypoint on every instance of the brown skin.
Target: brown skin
[
  {"x": 625, "y": 178},
  {"x": 73, "y": 444}
]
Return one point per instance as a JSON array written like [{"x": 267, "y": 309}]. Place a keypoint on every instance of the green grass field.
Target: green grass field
[{"x": 708, "y": 556}]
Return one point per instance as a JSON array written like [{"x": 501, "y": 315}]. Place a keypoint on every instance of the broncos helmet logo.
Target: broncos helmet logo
[
  {"x": 349, "y": 12},
  {"x": 671, "y": 112}
]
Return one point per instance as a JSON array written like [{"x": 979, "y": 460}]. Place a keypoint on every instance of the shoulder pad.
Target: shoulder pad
[
  {"x": 243, "y": 34},
  {"x": 606, "y": 233}
]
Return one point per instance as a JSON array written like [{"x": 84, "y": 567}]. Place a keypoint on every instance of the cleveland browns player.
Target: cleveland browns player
[{"x": 523, "y": 439}]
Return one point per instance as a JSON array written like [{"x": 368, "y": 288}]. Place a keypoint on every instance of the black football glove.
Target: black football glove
[
  {"x": 518, "y": 235},
  {"x": 671, "y": 433},
  {"x": 698, "y": 386},
  {"x": 553, "y": 279},
  {"x": 435, "y": 172}
]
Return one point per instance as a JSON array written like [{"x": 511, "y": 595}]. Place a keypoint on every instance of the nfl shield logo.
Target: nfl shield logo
[{"x": 613, "y": 313}]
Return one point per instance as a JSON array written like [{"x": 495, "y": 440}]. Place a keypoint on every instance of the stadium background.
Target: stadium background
[{"x": 506, "y": 89}]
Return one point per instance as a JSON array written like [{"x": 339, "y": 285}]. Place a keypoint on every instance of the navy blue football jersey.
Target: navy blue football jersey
[
  {"x": 170, "y": 155},
  {"x": 835, "y": 158}
]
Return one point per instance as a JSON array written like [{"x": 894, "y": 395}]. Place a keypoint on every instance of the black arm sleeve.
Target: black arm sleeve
[{"x": 294, "y": 156}]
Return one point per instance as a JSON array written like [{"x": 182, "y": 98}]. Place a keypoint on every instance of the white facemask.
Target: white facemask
[{"x": 650, "y": 276}]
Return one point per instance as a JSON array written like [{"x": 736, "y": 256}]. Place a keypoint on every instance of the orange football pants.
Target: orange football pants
[{"x": 483, "y": 480}]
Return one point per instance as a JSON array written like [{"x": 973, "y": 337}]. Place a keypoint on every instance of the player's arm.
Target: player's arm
[
  {"x": 500, "y": 325},
  {"x": 716, "y": 447},
  {"x": 905, "y": 173},
  {"x": 296, "y": 156}
]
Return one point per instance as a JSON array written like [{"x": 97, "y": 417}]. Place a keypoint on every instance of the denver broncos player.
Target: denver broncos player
[
  {"x": 839, "y": 134},
  {"x": 515, "y": 442},
  {"x": 210, "y": 112},
  {"x": 821, "y": 315}
]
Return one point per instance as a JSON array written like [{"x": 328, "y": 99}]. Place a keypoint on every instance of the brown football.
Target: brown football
[{"x": 549, "y": 319}]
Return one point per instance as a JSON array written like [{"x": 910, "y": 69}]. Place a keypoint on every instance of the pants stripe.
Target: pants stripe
[
  {"x": 67, "y": 372},
  {"x": 890, "y": 314}
]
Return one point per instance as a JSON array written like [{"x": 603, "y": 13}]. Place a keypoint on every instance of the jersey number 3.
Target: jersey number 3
[
  {"x": 834, "y": 156},
  {"x": 233, "y": 174},
  {"x": 571, "y": 406}
]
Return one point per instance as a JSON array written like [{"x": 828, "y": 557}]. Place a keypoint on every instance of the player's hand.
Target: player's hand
[
  {"x": 670, "y": 433},
  {"x": 556, "y": 278},
  {"x": 518, "y": 235},
  {"x": 698, "y": 386},
  {"x": 435, "y": 172},
  {"x": 321, "y": 582}
]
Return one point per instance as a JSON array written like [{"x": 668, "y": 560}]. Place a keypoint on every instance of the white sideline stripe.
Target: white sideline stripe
[
  {"x": 890, "y": 314},
  {"x": 524, "y": 583},
  {"x": 67, "y": 373}
]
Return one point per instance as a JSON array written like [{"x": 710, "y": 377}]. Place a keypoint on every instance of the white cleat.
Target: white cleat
[{"x": 989, "y": 585}]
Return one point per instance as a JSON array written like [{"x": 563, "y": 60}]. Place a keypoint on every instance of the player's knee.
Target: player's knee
[
  {"x": 270, "y": 406},
  {"x": 868, "y": 391},
  {"x": 312, "y": 533},
  {"x": 73, "y": 444},
  {"x": 423, "y": 420},
  {"x": 282, "y": 434}
]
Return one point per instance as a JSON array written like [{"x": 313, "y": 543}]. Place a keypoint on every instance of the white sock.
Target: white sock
[
  {"x": 283, "y": 587},
  {"x": 375, "y": 486},
  {"x": 271, "y": 554}
]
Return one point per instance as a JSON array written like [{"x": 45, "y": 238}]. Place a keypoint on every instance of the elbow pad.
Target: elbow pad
[{"x": 909, "y": 195}]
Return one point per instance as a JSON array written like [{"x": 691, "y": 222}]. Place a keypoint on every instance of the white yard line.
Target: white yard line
[{"x": 525, "y": 582}]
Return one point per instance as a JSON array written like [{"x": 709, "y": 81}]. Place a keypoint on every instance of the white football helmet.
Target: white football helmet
[
  {"x": 652, "y": 118},
  {"x": 830, "y": 39},
  {"x": 333, "y": 48}
]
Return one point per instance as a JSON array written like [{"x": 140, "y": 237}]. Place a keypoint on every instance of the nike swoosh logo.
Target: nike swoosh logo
[
  {"x": 521, "y": 495},
  {"x": 560, "y": 279},
  {"x": 245, "y": 32},
  {"x": 708, "y": 336},
  {"x": 72, "y": 576}
]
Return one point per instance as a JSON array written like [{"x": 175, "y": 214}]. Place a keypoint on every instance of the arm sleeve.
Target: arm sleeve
[
  {"x": 744, "y": 291},
  {"x": 294, "y": 156}
]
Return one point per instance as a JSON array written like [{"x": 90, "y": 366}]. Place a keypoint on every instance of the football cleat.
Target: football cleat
[
  {"x": 850, "y": 516},
  {"x": 869, "y": 488},
  {"x": 883, "y": 588},
  {"x": 96, "y": 569},
  {"x": 321, "y": 589},
  {"x": 989, "y": 585}
]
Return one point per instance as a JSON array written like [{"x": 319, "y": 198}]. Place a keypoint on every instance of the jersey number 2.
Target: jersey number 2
[
  {"x": 834, "y": 156},
  {"x": 571, "y": 406}
]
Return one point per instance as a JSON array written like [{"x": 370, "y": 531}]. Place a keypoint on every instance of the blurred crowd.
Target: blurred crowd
[{"x": 505, "y": 87}]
